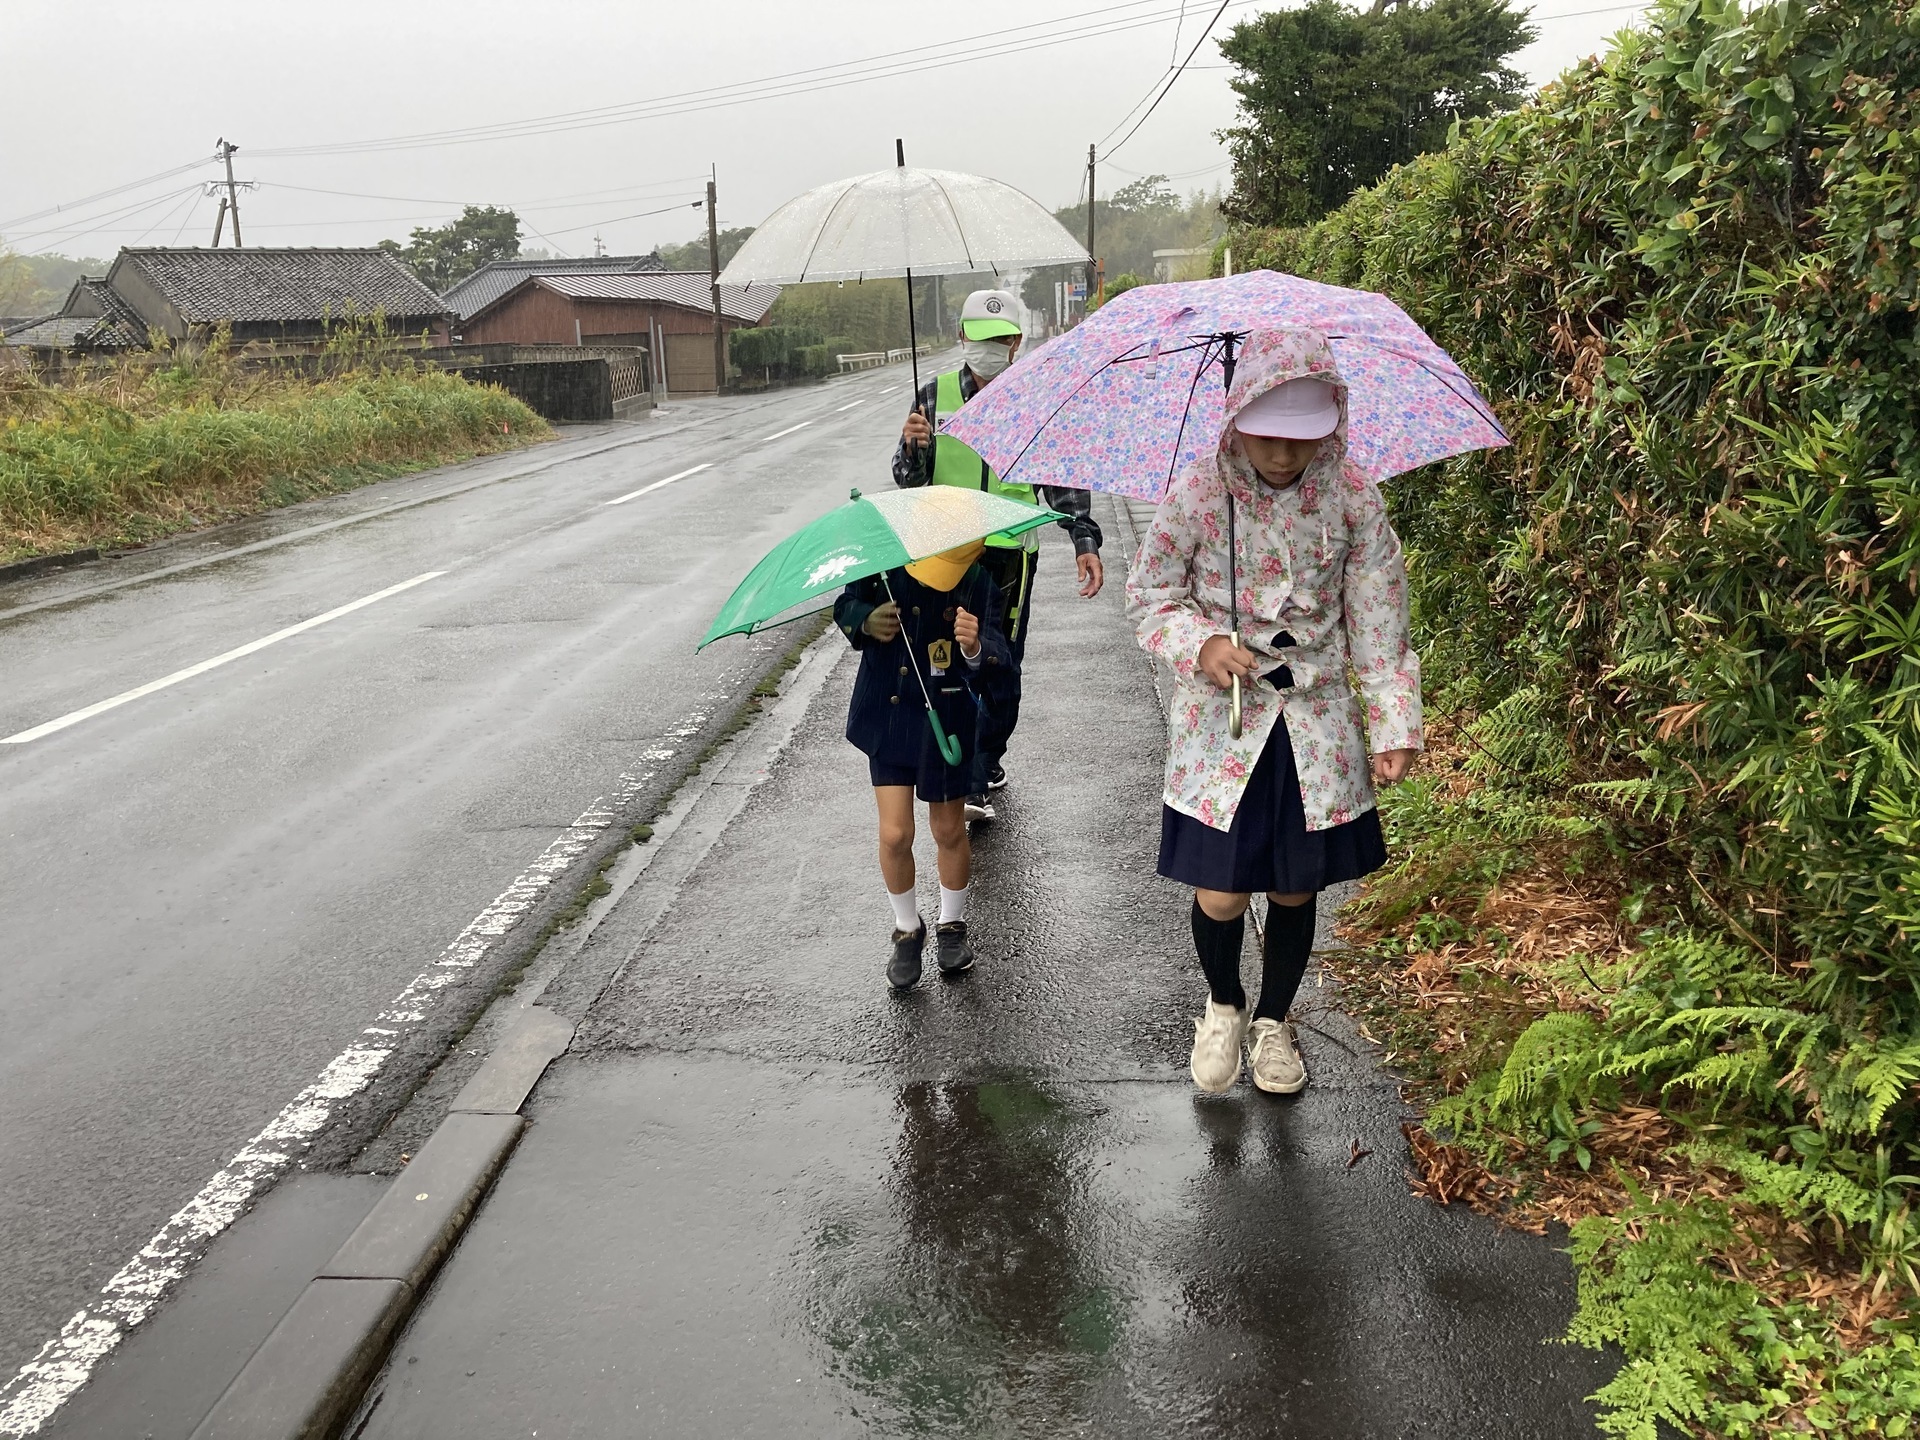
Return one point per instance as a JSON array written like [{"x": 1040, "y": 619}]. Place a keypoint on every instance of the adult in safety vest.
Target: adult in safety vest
[{"x": 990, "y": 333}]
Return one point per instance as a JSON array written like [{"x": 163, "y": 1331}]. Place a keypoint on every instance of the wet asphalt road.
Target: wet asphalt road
[
  {"x": 763, "y": 1196},
  {"x": 210, "y": 891}
]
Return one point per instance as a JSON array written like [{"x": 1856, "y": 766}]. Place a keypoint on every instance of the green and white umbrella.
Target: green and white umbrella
[
  {"x": 866, "y": 536},
  {"x": 869, "y": 535}
]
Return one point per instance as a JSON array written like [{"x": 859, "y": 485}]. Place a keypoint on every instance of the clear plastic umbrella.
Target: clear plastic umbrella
[{"x": 902, "y": 222}]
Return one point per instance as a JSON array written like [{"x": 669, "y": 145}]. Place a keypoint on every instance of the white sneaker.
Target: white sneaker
[
  {"x": 979, "y": 807},
  {"x": 1274, "y": 1056},
  {"x": 1217, "y": 1037}
]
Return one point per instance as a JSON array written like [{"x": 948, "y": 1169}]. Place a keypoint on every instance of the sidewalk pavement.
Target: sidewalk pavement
[{"x": 763, "y": 1196}]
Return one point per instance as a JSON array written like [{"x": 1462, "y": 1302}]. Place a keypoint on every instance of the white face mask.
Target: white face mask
[{"x": 986, "y": 358}]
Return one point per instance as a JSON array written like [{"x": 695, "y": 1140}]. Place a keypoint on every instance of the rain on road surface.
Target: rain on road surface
[{"x": 213, "y": 889}]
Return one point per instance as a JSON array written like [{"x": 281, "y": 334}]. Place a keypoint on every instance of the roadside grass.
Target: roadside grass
[
  {"x": 1520, "y": 932},
  {"x": 149, "y": 446}
]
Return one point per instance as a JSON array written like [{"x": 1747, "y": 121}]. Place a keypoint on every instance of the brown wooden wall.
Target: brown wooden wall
[{"x": 537, "y": 316}]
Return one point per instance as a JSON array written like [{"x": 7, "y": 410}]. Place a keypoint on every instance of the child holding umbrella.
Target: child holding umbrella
[
  {"x": 1277, "y": 538},
  {"x": 930, "y": 639}
]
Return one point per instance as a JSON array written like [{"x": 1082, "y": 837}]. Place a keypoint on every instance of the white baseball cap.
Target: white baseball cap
[
  {"x": 1300, "y": 409},
  {"x": 989, "y": 314}
]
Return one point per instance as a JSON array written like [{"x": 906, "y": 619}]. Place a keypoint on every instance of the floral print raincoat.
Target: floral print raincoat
[{"x": 1322, "y": 587}]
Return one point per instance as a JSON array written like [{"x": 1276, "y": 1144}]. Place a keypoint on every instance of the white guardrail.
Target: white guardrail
[{"x": 873, "y": 359}]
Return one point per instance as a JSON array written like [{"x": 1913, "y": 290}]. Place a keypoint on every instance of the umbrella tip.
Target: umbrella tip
[
  {"x": 900, "y": 153},
  {"x": 854, "y": 494}
]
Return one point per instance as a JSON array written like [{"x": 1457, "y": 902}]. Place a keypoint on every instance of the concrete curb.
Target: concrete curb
[
  {"x": 310, "y": 1372},
  {"x": 21, "y": 569}
]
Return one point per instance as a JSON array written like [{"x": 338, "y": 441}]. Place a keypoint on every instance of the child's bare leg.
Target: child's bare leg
[
  {"x": 895, "y": 803},
  {"x": 896, "y": 835},
  {"x": 948, "y": 821},
  {"x": 1221, "y": 904}
]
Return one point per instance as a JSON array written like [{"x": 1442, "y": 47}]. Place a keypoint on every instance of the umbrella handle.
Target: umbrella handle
[
  {"x": 1233, "y": 710},
  {"x": 949, "y": 744}
]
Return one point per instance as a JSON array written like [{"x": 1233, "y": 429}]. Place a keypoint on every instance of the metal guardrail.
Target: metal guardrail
[{"x": 873, "y": 359}]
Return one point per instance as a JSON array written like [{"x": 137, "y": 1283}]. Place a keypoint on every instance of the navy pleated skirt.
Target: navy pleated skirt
[{"x": 1269, "y": 846}]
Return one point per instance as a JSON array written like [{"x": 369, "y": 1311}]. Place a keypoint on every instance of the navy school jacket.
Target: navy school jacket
[{"x": 888, "y": 716}]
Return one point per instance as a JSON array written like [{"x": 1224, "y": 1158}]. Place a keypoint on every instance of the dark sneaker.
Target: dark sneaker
[
  {"x": 903, "y": 970},
  {"x": 996, "y": 778},
  {"x": 951, "y": 948},
  {"x": 979, "y": 807}
]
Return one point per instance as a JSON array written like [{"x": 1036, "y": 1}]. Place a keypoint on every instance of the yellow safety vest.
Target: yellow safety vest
[{"x": 956, "y": 463}]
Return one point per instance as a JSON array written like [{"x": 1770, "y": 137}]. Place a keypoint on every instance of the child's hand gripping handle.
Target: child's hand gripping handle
[{"x": 1233, "y": 710}]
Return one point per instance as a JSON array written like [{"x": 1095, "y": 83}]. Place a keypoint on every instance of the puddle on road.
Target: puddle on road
[{"x": 980, "y": 1294}]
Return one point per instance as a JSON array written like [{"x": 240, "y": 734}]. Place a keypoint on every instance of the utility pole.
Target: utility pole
[
  {"x": 1093, "y": 265},
  {"x": 233, "y": 191},
  {"x": 713, "y": 266},
  {"x": 220, "y": 221}
]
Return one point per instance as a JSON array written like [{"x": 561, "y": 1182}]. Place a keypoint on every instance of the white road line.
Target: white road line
[
  {"x": 850, "y": 404},
  {"x": 890, "y": 389},
  {"x": 45, "y": 1383},
  {"x": 788, "y": 431},
  {"x": 75, "y": 717},
  {"x": 649, "y": 489}
]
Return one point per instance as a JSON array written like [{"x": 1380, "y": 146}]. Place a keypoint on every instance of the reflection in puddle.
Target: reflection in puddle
[{"x": 973, "y": 1298}]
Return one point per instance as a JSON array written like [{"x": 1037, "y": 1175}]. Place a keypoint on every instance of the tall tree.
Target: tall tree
[
  {"x": 1331, "y": 98},
  {"x": 444, "y": 255},
  {"x": 693, "y": 254}
]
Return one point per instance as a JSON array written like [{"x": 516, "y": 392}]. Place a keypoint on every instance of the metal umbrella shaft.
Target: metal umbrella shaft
[
  {"x": 1233, "y": 554},
  {"x": 949, "y": 744}
]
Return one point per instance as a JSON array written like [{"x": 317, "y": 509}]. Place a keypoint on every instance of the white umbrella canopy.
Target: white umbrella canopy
[{"x": 898, "y": 222}]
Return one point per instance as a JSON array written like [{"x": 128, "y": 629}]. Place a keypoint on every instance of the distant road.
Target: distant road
[{"x": 343, "y": 739}]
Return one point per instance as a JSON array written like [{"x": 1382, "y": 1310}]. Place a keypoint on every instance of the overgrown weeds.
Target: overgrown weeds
[{"x": 144, "y": 445}]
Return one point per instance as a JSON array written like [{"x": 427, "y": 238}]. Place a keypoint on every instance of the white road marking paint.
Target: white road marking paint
[
  {"x": 890, "y": 389},
  {"x": 75, "y": 717},
  {"x": 649, "y": 489},
  {"x": 850, "y": 404},
  {"x": 788, "y": 431},
  {"x": 45, "y": 1383}
]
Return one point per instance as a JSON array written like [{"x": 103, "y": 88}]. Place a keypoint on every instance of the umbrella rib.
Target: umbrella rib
[
  {"x": 820, "y": 233},
  {"x": 1470, "y": 395},
  {"x": 1180, "y": 435},
  {"x": 954, "y": 211}
]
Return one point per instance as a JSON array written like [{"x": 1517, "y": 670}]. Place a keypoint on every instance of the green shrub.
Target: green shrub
[{"x": 1686, "y": 600}]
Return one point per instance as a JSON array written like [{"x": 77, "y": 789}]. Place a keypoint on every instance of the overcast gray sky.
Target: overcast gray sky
[{"x": 100, "y": 93}]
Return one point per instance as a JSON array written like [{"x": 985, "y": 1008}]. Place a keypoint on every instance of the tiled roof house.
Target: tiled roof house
[
  {"x": 490, "y": 282},
  {"x": 271, "y": 295}
]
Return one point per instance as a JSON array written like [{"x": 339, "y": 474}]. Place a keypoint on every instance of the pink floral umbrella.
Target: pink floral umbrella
[{"x": 1120, "y": 402}]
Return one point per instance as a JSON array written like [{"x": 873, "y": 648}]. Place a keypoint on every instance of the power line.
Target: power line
[
  {"x": 971, "y": 49},
  {"x": 595, "y": 224},
  {"x": 79, "y": 227},
  {"x": 109, "y": 194},
  {"x": 1172, "y": 78}
]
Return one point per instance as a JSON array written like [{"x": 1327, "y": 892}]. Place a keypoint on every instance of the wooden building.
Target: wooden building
[{"x": 670, "y": 313}]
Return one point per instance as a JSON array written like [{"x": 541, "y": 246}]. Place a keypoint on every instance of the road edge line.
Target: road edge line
[{"x": 314, "y": 1369}]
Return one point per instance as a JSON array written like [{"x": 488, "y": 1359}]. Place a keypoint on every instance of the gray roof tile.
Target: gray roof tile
[
  {"x": 283, "y": 286},
  {"x": 490, "y": 282}
]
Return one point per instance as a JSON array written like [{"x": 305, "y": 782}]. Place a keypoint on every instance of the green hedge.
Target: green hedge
[{"x": 1688, "y": 596}]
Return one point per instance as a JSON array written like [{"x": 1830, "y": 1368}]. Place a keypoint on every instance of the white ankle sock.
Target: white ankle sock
[
  {"x": 953, "y": 904},
  {"x": 906, "y": 910}
]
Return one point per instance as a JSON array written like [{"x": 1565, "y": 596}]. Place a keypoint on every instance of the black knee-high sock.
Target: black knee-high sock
[
  {"x": 1289, "y": 944},
  {"x": 1217, "y": 942}
]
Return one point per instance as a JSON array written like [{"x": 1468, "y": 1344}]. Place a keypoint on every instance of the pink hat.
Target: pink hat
[{"x": 1301, "y": 409}]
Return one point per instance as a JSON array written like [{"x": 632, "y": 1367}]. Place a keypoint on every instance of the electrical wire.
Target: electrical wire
[
  {"x": 78, "y": 228},
  {"x": 615, "y": 220},
  {"x": 1172, "y": 78},
  {"x": 889, "y": 65},
  {"x": 109, "y": 194}
]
